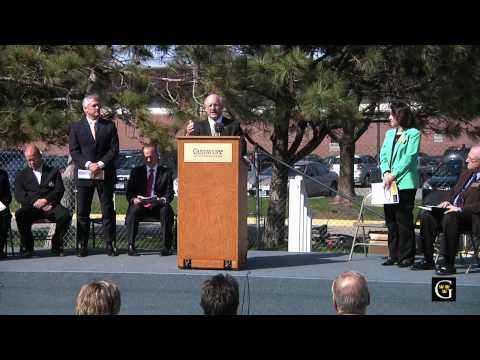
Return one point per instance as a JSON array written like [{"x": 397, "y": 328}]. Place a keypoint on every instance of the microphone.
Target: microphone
[{"x": 219, "y": 126}]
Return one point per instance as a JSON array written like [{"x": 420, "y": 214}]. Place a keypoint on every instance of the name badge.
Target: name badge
[{"x": 475, "y": 184}]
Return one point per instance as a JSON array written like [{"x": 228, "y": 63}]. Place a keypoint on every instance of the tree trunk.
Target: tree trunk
[
  {"x": 347, "y": 153},
  {"x": 277, "y": 208}
]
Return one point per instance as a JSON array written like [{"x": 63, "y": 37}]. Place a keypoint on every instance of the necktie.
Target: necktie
[
  {"x": 92, "y": 128},
  {"x": 149, "y": 187},
  {"x": 459, "y": 199}
]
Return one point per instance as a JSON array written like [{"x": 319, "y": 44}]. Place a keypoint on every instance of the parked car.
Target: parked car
[
  {"x": 314, "y": 169},
  {"x": 435, "y": 189},
  {"x": 126, "y": 161},
  {"x": 456, "y": 153},
  {"x": 328, "y": 161},
  {"x": 313, "y": 157},
  {"x": 365, "y": 169},
  {"x": 427, "y": 165}
]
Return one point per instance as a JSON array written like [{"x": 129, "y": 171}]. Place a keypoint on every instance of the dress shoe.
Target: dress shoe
[
  {"x": 132, "y": 251},
  {"x": 405, "y": 263},
  {"x": 28, "y": 254},
  {"x": 423, "y": 265},
  {"x": 166, "y": 252},
  {"x": 389, "y": 262},
  {"x": 82, "y": 252},
  {"x": 446, "y": 270},
  {"x": 58, "y": 252},
  {"x": 109, "y": 250}
]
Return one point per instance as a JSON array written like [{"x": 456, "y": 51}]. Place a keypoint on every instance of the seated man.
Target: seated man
[
  {"x": 220, "y": 295},
  {"x": 5, "y": 216},
  {"x": 462, "y": 214},
  {"x": 350, "y": 295},
  {"x": 158, "y": 186},
  {"x": 39, "y": 189}
]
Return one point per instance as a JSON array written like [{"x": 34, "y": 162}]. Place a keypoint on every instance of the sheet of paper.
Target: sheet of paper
[
  {"x": 2, "y": 206},
  {"x": 381, "y": 196},
  {"x": 87, "y": 175}
]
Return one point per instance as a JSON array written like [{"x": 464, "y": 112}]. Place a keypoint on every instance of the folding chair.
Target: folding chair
[
  {"x": 154, "y": 220},
  {"x": 360, "y": 223}
]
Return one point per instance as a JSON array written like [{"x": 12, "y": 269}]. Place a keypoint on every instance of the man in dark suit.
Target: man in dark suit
[
  {"x": 94, "y": 147},
  {"x": 39, "y": 189},
  {"x": 150, "y": 180},
  {"x": 462, "y": 214},
  {"x": 5, "y": 215},
  {"x": 216, "y": 124}
]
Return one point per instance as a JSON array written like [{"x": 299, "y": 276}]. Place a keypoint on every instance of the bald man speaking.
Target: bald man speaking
[{"x": 216, "y": 124}]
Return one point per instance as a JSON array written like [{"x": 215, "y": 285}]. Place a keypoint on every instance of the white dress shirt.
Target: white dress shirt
[
  {"x": 92, "y": 123},
  {"x": 38, "y": 175},
  {"x": 154, "y": 180},
  {"x": 212, "y": 125}
]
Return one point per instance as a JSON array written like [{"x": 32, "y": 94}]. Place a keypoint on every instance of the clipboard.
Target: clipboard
[{"x": 382, "y": 196}]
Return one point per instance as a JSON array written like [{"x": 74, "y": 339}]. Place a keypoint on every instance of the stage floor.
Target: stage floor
[{"x": 274, "y": 282}]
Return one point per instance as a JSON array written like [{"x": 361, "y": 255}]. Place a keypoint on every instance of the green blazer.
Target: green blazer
[{"x": 403, "y": 163}]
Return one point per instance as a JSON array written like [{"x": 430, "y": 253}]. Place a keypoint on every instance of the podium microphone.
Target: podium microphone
[{"x": 219, "y": 127}]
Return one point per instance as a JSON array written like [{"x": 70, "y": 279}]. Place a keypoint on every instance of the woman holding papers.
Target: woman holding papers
[{"x": 398, "y": 164}]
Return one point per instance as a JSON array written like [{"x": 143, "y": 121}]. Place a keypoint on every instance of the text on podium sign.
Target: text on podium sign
[{"x": 207, "y": 152}]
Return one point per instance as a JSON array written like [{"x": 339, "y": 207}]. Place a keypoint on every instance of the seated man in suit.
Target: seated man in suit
[
  {"x": 5, "y": 216},
  {"x": 216, "y": 124},
  {"x": 39, "y": 189},
  {"x": 150, "y": 180},
  {"x": 462, "y": 214}
]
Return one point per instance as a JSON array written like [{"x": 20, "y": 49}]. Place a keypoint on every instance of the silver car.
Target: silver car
[
  {"x": 365, "y": 169},
  {"x": 314, "y": 169}
]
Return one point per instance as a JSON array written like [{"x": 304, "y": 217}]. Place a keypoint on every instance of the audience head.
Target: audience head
[
  {"x": 98, "y": 298},
  {"x": 350, "y": 293},
  {"x": 33, "y": 156},
  {"x": 220, "y": 295}
]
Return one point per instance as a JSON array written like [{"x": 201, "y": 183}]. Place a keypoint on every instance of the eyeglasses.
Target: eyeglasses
[{"x": 471, "y": 159}]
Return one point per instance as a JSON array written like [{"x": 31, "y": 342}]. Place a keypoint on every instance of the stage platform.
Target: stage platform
[{"x": 274, "y": 283}]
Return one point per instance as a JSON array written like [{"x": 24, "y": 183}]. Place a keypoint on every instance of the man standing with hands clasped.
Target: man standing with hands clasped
[{"x": 94, "y": 147}]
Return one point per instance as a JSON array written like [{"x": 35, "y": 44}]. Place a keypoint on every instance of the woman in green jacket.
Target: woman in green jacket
[{"x": 398, "y": 162}]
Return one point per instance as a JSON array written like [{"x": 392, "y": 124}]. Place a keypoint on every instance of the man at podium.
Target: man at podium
[{"x": 216, "y": 124}]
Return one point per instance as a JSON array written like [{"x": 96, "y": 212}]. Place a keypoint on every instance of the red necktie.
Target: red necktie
[{"x": 149, "y": 187}]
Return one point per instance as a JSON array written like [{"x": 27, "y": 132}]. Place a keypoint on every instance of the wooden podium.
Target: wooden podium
[{"x": 212, "y": 203}]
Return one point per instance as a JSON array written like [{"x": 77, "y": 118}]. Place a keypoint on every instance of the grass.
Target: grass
[{"x": 321, "y": 207}]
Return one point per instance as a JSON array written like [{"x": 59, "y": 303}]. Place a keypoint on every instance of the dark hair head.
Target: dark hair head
[
  {"x": 220, "y": 295},
  {"x": 403, "y": 113}
]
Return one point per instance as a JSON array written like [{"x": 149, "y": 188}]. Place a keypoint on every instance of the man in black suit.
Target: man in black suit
[
  {"x": 462, "y": 213},
  {"x": 216, "y": 124},
  {"x": 94, "y": 147},
  {"x": 5, "y": 216},
  {"x": 150, "y": 180},
  {"x": 39, "y": 189}
]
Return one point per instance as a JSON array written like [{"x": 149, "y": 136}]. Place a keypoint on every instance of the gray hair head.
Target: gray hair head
[{"x": 350, "y": 293}]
